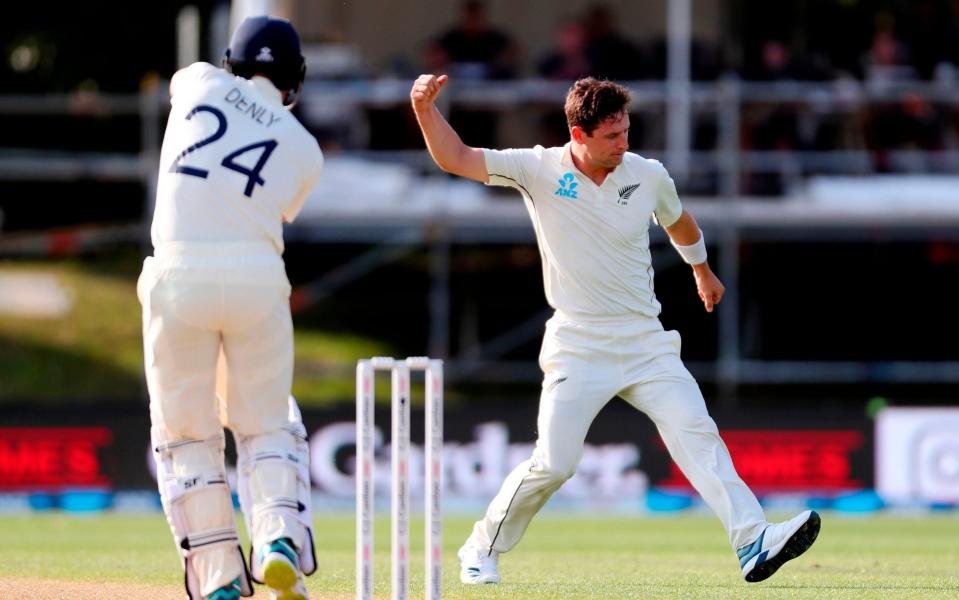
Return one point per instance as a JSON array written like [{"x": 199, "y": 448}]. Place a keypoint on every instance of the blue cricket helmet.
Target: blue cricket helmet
[{"x": 270, "y": 47}]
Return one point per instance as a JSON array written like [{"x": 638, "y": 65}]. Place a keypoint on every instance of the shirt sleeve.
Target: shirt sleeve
[
  {"x": 514, "y": 167},
  {"x": 312, "y": 174},
  {"x": 668, "y": 207},
  {"x": 187, "y": 77}
]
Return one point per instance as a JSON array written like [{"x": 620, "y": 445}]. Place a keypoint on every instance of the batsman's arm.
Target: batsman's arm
[
  {"x": 445, "y": 146},
  {"x": 688, "y": 240}
]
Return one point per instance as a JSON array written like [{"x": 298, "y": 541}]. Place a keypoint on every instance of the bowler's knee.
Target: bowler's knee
[
  {"x": 554, "y": 471},
  {"x": 691, "y": 423}
]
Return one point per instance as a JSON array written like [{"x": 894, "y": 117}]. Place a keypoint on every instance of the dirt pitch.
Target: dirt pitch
[
  {"x": 22, "y": 588},
  {"x": 56, "y": 589}
]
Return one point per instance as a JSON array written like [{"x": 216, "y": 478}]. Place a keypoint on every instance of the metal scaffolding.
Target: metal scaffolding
[{"x": 729, "y": 218}]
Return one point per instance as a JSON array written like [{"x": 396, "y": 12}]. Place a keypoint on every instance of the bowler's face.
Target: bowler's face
[{"x": 609, "y": 142}]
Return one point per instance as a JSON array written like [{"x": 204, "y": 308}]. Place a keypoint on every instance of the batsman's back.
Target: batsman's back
[{"x": 235, "y": 163}]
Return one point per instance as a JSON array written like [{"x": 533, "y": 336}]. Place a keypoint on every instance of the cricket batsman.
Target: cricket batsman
[{"x": 235, "y": 164}]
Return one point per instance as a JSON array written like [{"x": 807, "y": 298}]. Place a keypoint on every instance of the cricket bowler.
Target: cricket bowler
[{"x": 590, "y": 202}]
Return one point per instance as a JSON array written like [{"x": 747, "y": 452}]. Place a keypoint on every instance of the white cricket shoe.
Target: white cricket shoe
[
  {"x": 478, "y": 566},
  {"x": 777, "y": 544},
  {"x": 281, "y": 572}
]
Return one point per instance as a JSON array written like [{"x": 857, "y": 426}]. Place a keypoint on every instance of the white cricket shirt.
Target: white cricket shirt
[
  {"x": 593, "y": 240},
  {"x": 234, "y": 163}
]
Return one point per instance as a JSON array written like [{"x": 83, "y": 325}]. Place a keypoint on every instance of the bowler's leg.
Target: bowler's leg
[
  {"x": 566, "y": 410},
  {"x": 676, "y": 406}
]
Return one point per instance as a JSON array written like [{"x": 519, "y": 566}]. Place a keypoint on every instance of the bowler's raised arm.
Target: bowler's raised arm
[{"x": 445, "y": 146}]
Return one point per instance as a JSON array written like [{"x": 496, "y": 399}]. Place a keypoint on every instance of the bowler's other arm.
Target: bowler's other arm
[{"x": 686, "y": 233}]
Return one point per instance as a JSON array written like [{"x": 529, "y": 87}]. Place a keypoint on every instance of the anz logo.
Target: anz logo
[{"x": 567, "y": 187}]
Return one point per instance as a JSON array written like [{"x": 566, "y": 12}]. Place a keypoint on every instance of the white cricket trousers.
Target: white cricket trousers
[
  {"x": 585, "y": 364},
  {"x": 198, "y": 298}
]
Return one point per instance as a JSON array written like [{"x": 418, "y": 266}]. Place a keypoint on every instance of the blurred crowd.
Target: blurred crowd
[
  {"x": 920, "y": 41},
  {"x": 587, "y": 44},
  {"x": 917, "y": 43}
]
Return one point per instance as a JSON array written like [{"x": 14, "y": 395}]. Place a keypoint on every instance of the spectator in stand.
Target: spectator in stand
[
  {"x": 611, "y": 56},
  {"x": 770, "y": 127},
  {"x": 777, "y": 63},
  {"x": 908, "y": 124},
  {"x": 912, "y": 123},
  {"x": 568, "y": 60},
  {"x": 886, "y": 61},
  {"x": 472, "y": 49}
]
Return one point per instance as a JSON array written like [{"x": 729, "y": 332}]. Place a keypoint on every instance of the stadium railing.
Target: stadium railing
[{"x": 728, "y": 215}]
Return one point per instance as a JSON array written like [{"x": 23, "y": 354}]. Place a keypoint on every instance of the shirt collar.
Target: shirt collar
[
  {"x": 567, "y": 161},
  {"x": 266, "y": 87}
]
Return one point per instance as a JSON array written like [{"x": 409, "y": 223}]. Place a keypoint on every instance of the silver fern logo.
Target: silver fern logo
[{"x": 625, "y": 193}]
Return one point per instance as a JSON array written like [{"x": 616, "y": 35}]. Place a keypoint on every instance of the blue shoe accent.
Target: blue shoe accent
[
  {"x": 284, "y": 546},
  {"x": 230, "y": 591},
  {"x": 746, "y": 553}
]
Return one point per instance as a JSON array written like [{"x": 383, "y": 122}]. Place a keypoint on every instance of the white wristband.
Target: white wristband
[{"x": 694, "y": 254}]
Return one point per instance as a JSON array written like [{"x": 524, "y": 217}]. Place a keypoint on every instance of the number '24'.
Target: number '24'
[{"x": 253, "y": 175}]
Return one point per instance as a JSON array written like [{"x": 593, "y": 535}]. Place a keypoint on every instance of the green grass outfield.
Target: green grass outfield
[
  {"x": 561, "y": 557},
  {"x": 94, "y": 352}
]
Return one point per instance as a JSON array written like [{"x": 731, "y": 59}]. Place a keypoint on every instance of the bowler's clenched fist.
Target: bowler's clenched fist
[{"x": 425, "y": 90}]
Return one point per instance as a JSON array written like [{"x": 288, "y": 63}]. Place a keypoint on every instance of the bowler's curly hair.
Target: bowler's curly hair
[{"x": 591, "y": 102}]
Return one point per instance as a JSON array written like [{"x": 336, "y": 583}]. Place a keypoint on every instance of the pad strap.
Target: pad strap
[{"x": 211, "y": 537}]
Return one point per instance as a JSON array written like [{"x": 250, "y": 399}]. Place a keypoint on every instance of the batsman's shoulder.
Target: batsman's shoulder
[
  {"x": 318, "y": 161},
  {"x": 192, "y": 74},
  {"x": 198, "y": 70},
  {"x": 308, "y": 148}
]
